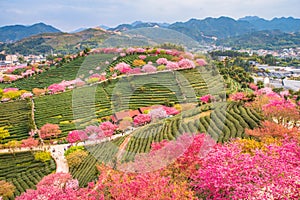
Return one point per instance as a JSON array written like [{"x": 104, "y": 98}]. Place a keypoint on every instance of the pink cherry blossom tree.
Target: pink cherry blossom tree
[
  {"x": 239, "y": 96},
  {"x": 206, "y": 98},
  {"x": 135, "y": 71},
  {"x": 77, "y": 136},
  {"x": 201, "y": 62},
  {"x": 29, "y": 142},
  {"x": 108, "y": 128},
  {"x": 253, "y": 86},
  {"x": 59, "y": 186},
  {"x": 283, "y": 111},
  {"x": 55, "y": 88},
  {"x": 142, "y": 119},
  {"x": 162, "y": 61},
  {"x": 149, "y": 68},
  {"x": 94, "y": 132},
  {"x": 172, "y": 65},
  {"x": 158, "y": 113},
  {"x": 171, "y": 110},
  {"x": 49, "y": 130},
  {"x": 122, "y": 67},
  {"x": 186, "y": 64},
  {"x": 227, "y": 173}
]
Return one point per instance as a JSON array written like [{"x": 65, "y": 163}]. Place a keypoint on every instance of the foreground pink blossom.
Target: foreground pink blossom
[
  {"x": 266, "y": 91},
  {"x": 283, "y": 111},
  {"x": 227, "y": 173},
  {"x": 58, "y": 186},
  {"x": 180, "y": 157},
  {"x": 94, "y": 132}
]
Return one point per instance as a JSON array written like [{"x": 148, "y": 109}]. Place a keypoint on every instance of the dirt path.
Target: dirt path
[
  {"x": 32, "y": 115},
  {"x": 57, "y": 153},
  {"x": 122, "y": 149}
]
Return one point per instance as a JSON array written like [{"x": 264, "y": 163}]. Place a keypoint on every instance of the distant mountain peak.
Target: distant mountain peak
[
  {"x": 39, "y": 24},
  {"x": 136, "y": 23},
  {"x": 250, "y": 18},
  {"x": 104, "y": 27}
]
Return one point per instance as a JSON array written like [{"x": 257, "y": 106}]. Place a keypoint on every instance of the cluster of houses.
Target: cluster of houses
[
  {"x": 281, "y": 53},
  {"x": 277, "y": 72},
  {"x": 119, "y": 116},
  {"x": 12, "y": 60},
  {"x": 278, "y": 76}
]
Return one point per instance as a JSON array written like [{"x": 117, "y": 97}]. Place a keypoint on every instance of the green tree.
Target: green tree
[{"x": 21, "y": 59}]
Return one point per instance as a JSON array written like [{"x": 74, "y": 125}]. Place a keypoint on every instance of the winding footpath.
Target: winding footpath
[
  {"x": 57, "y": 151},
  {"x": 32, "y": 115},
  {"x": 122, "y": 149}
]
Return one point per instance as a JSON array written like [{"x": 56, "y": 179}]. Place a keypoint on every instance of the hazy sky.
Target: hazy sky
[{"x": 68, "y": 15}]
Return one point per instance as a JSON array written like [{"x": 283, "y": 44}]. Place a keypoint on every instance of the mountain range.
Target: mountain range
[
  {"x": 267, "y": 39},
  {"x": 17, "y": 32},
  {"x": 249, "y": 31},
  {"x": 289, "y": 24},
  {"x": 60, "y": 42}
]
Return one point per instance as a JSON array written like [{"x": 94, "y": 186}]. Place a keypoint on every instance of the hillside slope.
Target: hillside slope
[
  {"x": 263, "y": 40},
  {"x": 18, "y": 32},
  {"x": 58, "y": 42}
]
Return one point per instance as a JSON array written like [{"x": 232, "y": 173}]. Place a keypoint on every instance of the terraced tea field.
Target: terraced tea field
[
  {"x": 223, "y": 123},
  {"x": 16, "y": 118},
  {"x": 23, "y": 170},
  {"x": 87, "y": 105},
  {"x": 100, "y": 153},
  {"x": 68, "y": 71}
]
